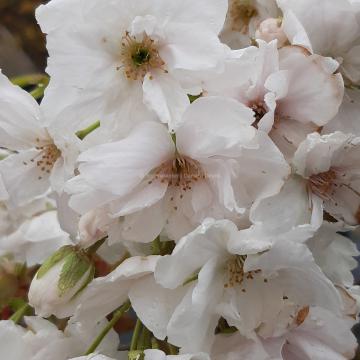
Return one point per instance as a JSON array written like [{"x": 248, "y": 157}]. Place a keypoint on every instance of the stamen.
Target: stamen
[
  {"x": 180, "y": 172},
  {"x": 139, "y": 57},
  {"x": 46, "y": 158},
  {"x": 324, "y": 184},
  {"x": 235, "y": 274},
  {"x": 302, "y": 315},
  {"x": 260, "y": 109}
]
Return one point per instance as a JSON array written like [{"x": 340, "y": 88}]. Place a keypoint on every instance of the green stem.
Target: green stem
[
  {"x": 30, "y": 80},
  {"x": 136, "y": 333},
  {"x": 18, "y": 315},
  {"x": 38, "y": 92},
  {"x": 117, "y": 315},
  {"x": 81, "y": 134}
]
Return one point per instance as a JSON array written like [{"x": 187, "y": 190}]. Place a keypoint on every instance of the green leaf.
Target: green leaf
[
  {"x": 53, "y": 260},
  {"x": 74, "y": 268}
]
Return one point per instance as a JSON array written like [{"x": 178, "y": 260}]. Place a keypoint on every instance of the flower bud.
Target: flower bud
[
  {"x": 270, "y": 29},
  {"x": 59, "y": 280}
]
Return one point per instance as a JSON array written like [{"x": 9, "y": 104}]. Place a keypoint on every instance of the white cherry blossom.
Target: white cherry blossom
[
  {"x": 131, "y": 60},
  {"x": 330, "y": 166},
  {"x": 43, "y": 153},
  {"x": 246, "y": 282},
  {"x": 291, "y": 92},
  {"x": 219, "y": 164}
]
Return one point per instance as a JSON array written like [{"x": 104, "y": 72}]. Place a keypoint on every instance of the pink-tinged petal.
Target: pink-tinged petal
[
  {"x": 307, "y": 74},
  {"x": 324, "y": 25},
  {"x": 351, "y": 65},
  {"x": 347, "y": 120}
]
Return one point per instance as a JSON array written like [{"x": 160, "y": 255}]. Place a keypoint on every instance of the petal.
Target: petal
[
  {"x": 154, "y": 305},
  {"x": 307, "y": 74},
  {"x": 193, "y": 251},
  {"x": 105, "y": 294},
  {"x": 295, "y": 219},
  {"x": 22, "y": 178},
  {"x": 294, "y": 264},
  {"x": 165, "y": 97},
  {"x": 327, "y": 33},
  {"x": 128, "y": 161},
  {"x": 347, "y": 119},
  {"x": 191, "y": 47},
  {"x": 203, "y": 135},
  {"x": 20, "y": 117}
]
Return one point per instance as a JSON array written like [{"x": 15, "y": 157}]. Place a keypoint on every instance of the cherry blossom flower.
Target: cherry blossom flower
[
  {"x": 245, "y": 282},
  {"x": 329, "y": 165},
  {"x": 131, "y": 60},
  {"x": 291, "y": 92},
  {"x": 219, "y": 164},
  {"x": 43, "y": 153},
  {"x": 314, "y": 333}
]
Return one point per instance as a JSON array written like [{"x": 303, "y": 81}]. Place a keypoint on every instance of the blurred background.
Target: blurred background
[
  {"x": 22, "y": 51},
  {"x": 22, "y": 45}
]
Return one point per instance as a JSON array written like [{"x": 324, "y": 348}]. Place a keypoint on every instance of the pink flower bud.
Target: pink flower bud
[{"x": 270, "y": 29}]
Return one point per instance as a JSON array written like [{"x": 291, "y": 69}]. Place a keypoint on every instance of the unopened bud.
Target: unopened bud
[
  {"x": 59, "y": 280},
  {"x": 271, "y": 29}
]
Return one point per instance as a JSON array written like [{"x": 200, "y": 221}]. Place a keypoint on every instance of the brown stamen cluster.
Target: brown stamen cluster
[
  {"x": 46, "y": 158},
  {"x": 260, "y": 109},
  {"x": 235, "y": 271},
  {"x": 241, "y": 12},
  {"x": 180, "y": 172},
  {"x": 323, "y": 184},
  {"x": 139, "y": 57}
]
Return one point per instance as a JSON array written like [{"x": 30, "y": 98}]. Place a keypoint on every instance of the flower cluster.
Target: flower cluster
[{"x": 207, "y": 154}]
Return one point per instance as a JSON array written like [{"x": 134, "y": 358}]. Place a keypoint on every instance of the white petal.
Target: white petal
[
  {"x": 193, "y": 251},
  {"x": 165, "y": 97},
  {"x": 128, "y": 161},
  {"x": 154, "y": 305},
  {"x": 203, "y": 134},
  {"x": 105, "y": 294},
  {"x": 20, "y": 117}
]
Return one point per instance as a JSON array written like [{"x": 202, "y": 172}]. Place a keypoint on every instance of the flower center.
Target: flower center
[
  {"x": 139, "y": 57},
  {"x": 46, "y": 158},
  {"x": 323, "y": 184},
  {"x": 234, "y": 272},
  {"x": 260, "y": 109},
  {"x": 180, "y": 172},
  {"x": 241, "y": 12}
]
